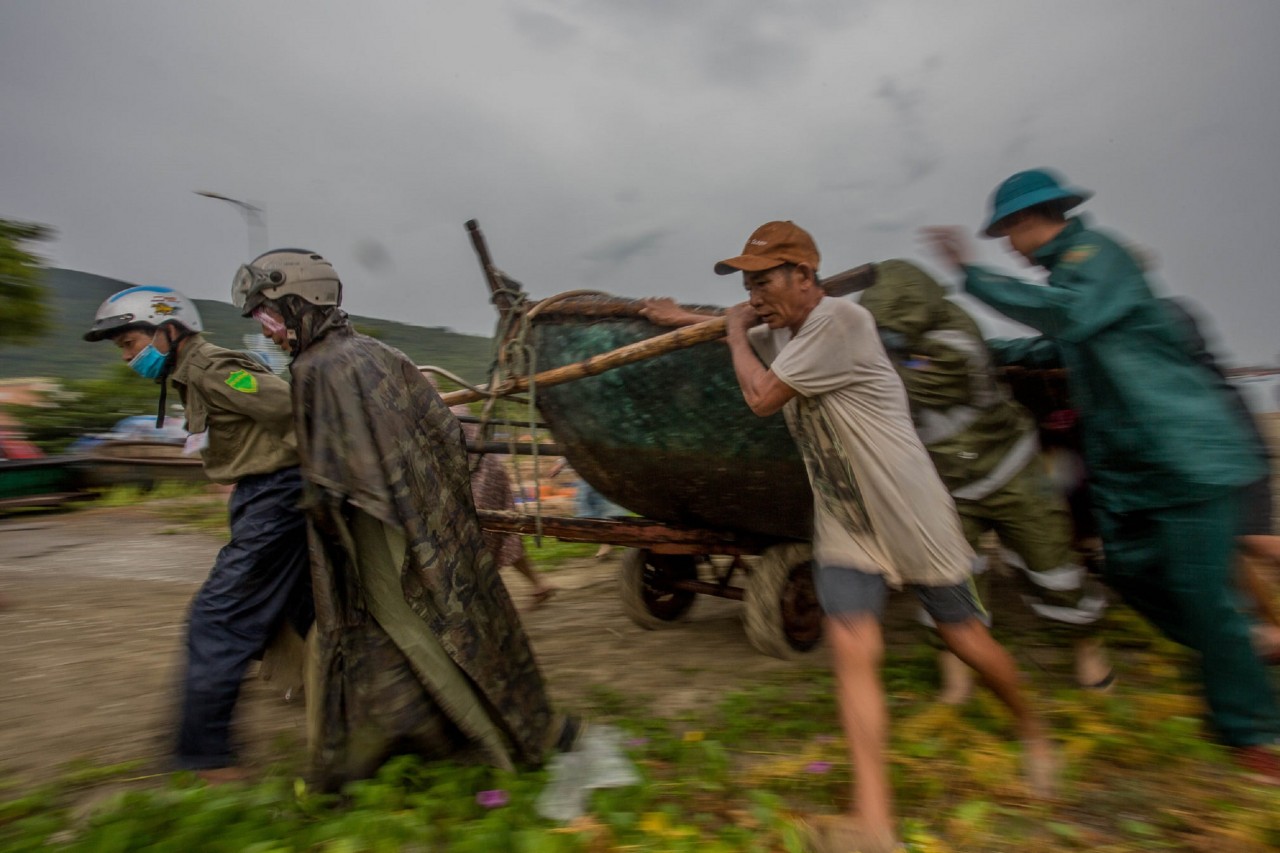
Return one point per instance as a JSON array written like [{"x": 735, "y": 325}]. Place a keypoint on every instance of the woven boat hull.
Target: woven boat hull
[{"x": 670, "y": 438}]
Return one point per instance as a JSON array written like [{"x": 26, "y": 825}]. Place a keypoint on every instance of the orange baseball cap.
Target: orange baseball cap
[{"x": 773, "y": 244}]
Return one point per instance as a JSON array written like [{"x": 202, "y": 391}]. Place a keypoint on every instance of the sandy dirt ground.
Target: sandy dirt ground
[{"x": 90, "y": 645}]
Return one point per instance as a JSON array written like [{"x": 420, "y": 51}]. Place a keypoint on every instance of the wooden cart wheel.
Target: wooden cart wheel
[
  {"x": 644, "y": 586},
  {"x": 783, "y": 618}
]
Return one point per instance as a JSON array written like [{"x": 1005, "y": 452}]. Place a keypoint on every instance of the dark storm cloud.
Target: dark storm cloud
[
  {"x": 545, "y": 29},
  {"x": 619, "y": 250},
  {"x": 746, "y": 58},
  {"x": 372, "y": 255},
  {"x": 627, "y": 195},
  {"x": 1021, "y": 141},
  {"x": 892, "y": 224},
  {"x": 853, "y": 185},
  {"x": 618, "y": 143},
  {"x": 737, "y": 44},
  {"x": 917, "y": 155}
]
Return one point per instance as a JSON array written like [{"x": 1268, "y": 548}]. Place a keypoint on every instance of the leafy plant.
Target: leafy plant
[
  {"x": 24, "y": 311},
  {"x": 85, "y": 406}
]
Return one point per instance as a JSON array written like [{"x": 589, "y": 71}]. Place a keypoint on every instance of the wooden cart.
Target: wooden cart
[{"x": 657, "y": 424}]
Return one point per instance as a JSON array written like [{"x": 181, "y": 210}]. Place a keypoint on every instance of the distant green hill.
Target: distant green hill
[{"x": 75, "y": 296}]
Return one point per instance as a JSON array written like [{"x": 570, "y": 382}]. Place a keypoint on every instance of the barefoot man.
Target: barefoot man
[{"x": 882, "y": 517}]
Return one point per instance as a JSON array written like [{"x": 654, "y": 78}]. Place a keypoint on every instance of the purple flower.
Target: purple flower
[
  {"x": 818, "y": 767},
  {"x": 637, "y": 742},
  {"x": 493, "y": 799}
]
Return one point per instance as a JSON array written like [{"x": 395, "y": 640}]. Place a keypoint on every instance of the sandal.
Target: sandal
[
  {"x": 1102, "y": 685},
  {"x": 1260, "y": 763},
  {"x": 542, "y": 596}
]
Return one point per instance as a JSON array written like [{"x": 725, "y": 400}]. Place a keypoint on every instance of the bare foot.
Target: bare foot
[
  {"x": 844, "y": 833},
  {"x": 542, "y": 595},
  {"x": 1040, "y": 766},
  {"x": 1093, "y": 666},
  {"x": 1266, "y": 641}
]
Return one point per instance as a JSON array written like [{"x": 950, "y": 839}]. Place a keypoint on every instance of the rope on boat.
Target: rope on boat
[
  {"x": 516, "y": 356},
  {"x": 479, "y": 390},
  {"x": 549, "y": 302},
  {"x": 512, "y": 353},
  {"x": 512, "y": 357}
]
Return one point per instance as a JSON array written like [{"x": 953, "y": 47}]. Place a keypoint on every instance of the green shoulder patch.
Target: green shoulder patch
[
  {"x": 1079, "y": 254},
  {"x": 243, "y": 380}
]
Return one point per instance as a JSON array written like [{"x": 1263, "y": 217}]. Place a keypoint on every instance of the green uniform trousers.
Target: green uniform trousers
[
  {"x": 1174, "y": 566},
  {"x": 1033, "y": 523}
]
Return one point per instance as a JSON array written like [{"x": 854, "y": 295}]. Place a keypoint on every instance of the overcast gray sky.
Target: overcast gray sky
[{"x": 627, "y": 145}]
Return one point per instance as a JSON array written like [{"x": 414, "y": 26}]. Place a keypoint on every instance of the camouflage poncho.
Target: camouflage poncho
[{"x": 377, "y": 442}]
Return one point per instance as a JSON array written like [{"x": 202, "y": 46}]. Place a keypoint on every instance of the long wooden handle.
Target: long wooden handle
[
  {"x": 682, "y": 338},
  {"x": 849, "y": 281},
  {"x": 840, "y": 284}
]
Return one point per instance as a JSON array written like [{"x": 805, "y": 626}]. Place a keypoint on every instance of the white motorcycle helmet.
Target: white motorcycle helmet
[
  {"x": 282, "y": 272},
  {"x": 148, "y": 306}
]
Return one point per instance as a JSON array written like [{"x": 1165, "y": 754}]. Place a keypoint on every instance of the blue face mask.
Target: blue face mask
[{"x": 148, "y": 363}]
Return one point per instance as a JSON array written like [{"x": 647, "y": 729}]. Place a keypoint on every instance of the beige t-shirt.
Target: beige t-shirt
[{"x": 878, "y": 503}]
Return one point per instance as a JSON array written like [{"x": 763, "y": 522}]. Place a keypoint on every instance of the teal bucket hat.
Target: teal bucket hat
[{"x": 1027, "y": 189}]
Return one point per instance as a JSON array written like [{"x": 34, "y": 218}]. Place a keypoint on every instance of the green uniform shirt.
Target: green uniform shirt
[
  {"x": 1157, "y": 429},
  {"x": 246, "y": 410}
]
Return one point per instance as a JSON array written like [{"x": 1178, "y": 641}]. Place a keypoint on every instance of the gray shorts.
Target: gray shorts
[{"x": 853, "y": 592}]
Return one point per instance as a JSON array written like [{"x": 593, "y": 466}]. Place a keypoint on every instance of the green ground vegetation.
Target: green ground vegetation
[
  {"x": 554, "y": 553},
  {"x": 1139, "y": 775}
]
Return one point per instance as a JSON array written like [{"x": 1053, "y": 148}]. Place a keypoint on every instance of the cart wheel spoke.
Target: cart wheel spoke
[{"x": 645, "y": 587}]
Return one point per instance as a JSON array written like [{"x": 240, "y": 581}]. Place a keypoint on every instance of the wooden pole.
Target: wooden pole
[
  {"x": 840, "y": 284},
  {"x": 637, "y": 532},
  {"x": 849, "y": 281},
  {"x": 491, "y": 275},
  {"x": 700, "y": 333}
]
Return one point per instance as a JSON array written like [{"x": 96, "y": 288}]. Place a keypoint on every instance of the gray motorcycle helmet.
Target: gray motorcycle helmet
[{"x": 282, "y": 272}]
